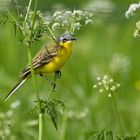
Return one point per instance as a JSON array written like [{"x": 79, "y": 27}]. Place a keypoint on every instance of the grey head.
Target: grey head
[{"x": 66, "y": 37}]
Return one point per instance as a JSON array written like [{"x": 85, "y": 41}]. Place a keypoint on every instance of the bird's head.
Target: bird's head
[{"x": 66, "y": 39}]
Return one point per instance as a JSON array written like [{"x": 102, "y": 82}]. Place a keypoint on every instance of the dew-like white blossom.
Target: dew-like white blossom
[
  {"x": 78, "y": 12},
  {"x": 68, "y": 13},
  {"x": 77, "y": 26},
  {"x": 15, "y": 104},
  {"x": 120, "y": 63},
  {"x": 106, "y": 84},
  {"x": 9, "y": 113},
  {"x": 98, "y": 78},
  {"x": 132, "y": 8},
  {"x": 71, "y": 20},
  {"x": 78, "y": 116},
  {"x": 101, "y": 90},
  {"x": 111, "y": 80},
  {"x": 109, "y": 95},
  {"x": 94, "y": 86},
  {"x": 59, "y": 18},
  {"x": 113, "y": 88},
  {"x": 56, "y": 25},
  {"x": 57, "y": 13},
  {"x": 88, "y": 21},
  {"x": 137, "y": 31},
  {"x": 105, "y": 6}
]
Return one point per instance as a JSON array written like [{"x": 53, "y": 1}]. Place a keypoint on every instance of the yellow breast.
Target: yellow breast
[{"x": 59, "y": 60}]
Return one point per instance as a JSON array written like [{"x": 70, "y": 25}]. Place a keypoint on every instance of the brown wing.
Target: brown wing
[{"x": 44, "y": 56}]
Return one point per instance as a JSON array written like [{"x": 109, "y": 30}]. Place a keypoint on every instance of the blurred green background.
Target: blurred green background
[{"x": 107, "y": 47}]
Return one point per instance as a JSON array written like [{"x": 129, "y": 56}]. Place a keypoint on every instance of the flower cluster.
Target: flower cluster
[
  {"x": 132, "y": 8},
  {"x": 7, "y": 122},
  {"x": 73, "y": 115},
  {"x": 120, "y": 63},
  {"x": 130, "y": 12},
  {"x": 106, "y": 84},
  {"x": 137, "y": 31},
  {"x": 25, "y": 26},
  {"x": 71, "y": 20}
]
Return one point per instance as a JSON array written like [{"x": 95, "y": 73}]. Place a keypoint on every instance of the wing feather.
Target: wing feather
[{"x": 43, "y": 57}]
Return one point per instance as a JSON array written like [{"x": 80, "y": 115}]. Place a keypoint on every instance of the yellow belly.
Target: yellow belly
[{"x": 57, "y": 62}]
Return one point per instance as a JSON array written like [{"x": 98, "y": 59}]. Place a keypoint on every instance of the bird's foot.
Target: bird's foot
[{"x": 58, "y": 74}]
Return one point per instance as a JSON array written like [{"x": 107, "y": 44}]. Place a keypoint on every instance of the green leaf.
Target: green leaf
[{"x": 51, "y": 110}]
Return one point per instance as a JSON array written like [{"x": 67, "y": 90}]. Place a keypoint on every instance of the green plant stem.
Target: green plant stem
[
  {"x": 117, "y": 113},
  {"x": 11, "y": 16},
  {"x": 37, "y": 94},
  {"x": 41, "y": 115},
  {"x": 41, "y": 126},
  {"x": 33, "y": 78},
  {"x": 63, "y": 129},
  {"x": 54, "y": 38},
  {"x": 28, "y": 9}
]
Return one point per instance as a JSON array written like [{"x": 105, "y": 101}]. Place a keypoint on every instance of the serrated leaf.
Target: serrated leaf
[{"x": 52, "y": 112}]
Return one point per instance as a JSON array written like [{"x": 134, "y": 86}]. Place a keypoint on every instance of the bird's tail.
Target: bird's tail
[{"x": 15, "y": 88}]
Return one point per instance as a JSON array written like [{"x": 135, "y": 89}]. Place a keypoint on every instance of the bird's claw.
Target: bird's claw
[{"x": 58, "y": 74}]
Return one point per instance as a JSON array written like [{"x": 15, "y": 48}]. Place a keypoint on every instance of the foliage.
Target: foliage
[
  {"x": 94, "y": 55},
  {"x": 107, "y": 135},
  {"x": 130, "y": 12}
]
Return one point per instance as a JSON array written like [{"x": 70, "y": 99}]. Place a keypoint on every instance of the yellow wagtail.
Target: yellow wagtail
[{"x": 48, "y": 60}]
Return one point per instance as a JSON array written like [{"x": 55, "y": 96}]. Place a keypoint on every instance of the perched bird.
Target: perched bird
[{"x": 48, "y": 60}]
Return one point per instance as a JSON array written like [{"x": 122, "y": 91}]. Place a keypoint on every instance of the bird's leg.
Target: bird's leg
[
  {"x": 49, "y": 81},
  {"x": 57, "y": 75},
  {"x": 53, "y": 83}
]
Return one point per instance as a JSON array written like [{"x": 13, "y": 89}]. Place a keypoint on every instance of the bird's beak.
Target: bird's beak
[{"x": 73, "y": 38}]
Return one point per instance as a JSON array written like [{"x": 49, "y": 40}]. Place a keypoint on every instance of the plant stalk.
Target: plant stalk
[
  {"x": 54, "y": 38},
  {"x": 63, "y": 129},
  {"x": 28, "y": 9},
  {"x": 117, "y": 114},
  {"x": 41, "y": 126},
  {"x": 41, "y": 115},
  {"x": 33, "y": 77}
]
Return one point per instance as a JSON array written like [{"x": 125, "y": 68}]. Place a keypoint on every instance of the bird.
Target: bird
[{"x": 49, "y": 59}]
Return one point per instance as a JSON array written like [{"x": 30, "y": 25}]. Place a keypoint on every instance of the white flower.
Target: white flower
[
  {"x": 106, "y": 87},
  {"x": 57, "y": 13},
  {"x": 111, "y": 80},
  {"x": 77, "y": 25},
  {"x": 89, "y": 21},
  {"x": 109, "y": 95},
  {"x": 94, "y": 86},
  {"x": 55, "y": 25},
  {"x": 118, "y": 85},
  {"x": 78, "y": 12},
  {"x": 113, "y": 88},
  {"x": 104, "y": 81},
  {"x": 132, "y": 8},
  {"x": 15, "y": 104},
  {"x": 99, "y": 83},
  {"x": 120, "y": 63},
  {"x": 106, "y": 84},
  {"x": 9, "y": 113},
  {"x": 105, "y": 77},
  {"x": 59, "y": 18},
  {"x": 98, "y": 78},
  {"x": 101, "y": 90},
  {"x": 68, "y": 13}
]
